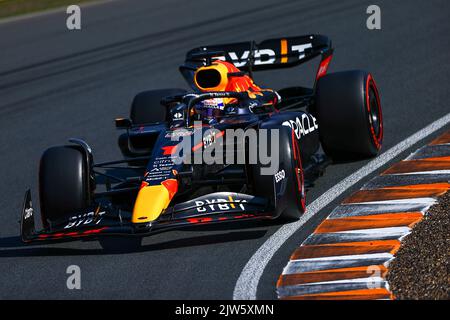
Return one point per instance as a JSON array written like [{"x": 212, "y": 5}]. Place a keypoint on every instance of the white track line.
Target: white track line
[
  {"x": 407, "y": 201},
  {"x": 422, "y": 172},
  {"x": 247, "y": 283}
]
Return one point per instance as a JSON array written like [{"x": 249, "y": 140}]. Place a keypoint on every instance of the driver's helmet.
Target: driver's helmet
[
  {"x": 211, "y": 110},
  {"x": 220, "y": 76}
]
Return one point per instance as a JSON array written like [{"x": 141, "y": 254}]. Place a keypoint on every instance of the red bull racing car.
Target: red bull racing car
[{"x": 227, "y": 150}]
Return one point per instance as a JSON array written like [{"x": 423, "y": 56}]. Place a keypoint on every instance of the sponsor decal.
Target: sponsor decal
[
  {"x": 215, "y": 103},
  {"x": 302, "y": 126},
  {"x": 85, "y": 219},
  {"x": 178, "y": 116},
  {"x": 209, "y": 139},
  {"x": 265, "y": 56},
  {"x": 179, "y": 133},
  {"x": 168, "y": 150},
  {"x": 161, "y": 169},
  {"x": 280, "y": 175},
  {"x": 220, "y": 204},
  {"x": 159, "y": 175},
  {"x": 28, "y": 213},
  {"x": 252, "y": 105}
]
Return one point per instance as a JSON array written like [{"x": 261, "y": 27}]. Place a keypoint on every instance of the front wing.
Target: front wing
[{"x": 107, "y": 221}]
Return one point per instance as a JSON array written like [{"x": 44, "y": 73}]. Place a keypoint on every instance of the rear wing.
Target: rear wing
[{"x": 268, "y": 54}]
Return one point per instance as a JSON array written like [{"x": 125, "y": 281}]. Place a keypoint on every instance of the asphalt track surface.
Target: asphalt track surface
[{"x": 56, "y": 84}]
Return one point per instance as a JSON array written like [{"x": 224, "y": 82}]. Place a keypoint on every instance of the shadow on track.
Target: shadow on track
[{"x": 23, "y": 250}]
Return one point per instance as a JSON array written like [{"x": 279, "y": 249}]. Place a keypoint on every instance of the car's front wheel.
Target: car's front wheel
[
  {"x": 64, "y": 182},
  {"x": 284, "y": 187}
]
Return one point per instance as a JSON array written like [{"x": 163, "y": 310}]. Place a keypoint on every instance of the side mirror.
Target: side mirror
[{"x": 123, "y": 123}]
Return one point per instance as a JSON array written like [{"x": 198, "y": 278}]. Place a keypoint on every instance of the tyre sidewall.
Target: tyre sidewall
[
  {"x": 146, "y": 106},
  {"x": 283, "y": 194},
  {"x": 64, "y": 182},
  {"x": 343, "y": 114}
]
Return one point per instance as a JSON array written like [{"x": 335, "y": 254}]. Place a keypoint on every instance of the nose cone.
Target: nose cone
[{"x": 152, "y": 200}]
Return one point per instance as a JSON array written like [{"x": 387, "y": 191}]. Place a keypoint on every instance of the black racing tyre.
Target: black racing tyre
[
  {"x": 64, "y": 182},
  {"x": 146, "y": 106},
  {"x": 349, "y": 114},
  {"x": 289, "y": 175}
]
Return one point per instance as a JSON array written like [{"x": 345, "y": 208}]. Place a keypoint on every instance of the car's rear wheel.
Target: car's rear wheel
[
  {"x": 287, "y": 179},
  {"x": 64, "y": 182},
  {"x": 146, "y": 106},
  {"x": 349, "y": 114}
]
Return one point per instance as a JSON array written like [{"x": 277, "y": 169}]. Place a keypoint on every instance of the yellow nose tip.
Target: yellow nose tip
[{"x": 150, "y": 202}]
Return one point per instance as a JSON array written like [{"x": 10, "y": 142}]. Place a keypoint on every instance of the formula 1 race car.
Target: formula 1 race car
[{"x": 167, "y": 178}]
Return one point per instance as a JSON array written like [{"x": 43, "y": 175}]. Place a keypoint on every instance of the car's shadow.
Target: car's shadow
[{"x": 14, "y": 247}]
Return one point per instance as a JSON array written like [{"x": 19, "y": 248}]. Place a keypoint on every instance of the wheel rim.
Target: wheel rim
[
  {"x": 374, "y": 112},
  {"x": 299, "y": 177}
]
